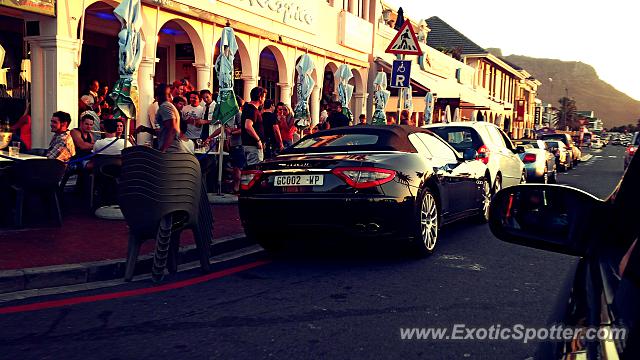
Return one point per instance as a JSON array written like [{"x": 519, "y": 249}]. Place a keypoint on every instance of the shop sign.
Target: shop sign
[
  {"x": 44, "y": 7},
  {"x": 297, "y": 13}
]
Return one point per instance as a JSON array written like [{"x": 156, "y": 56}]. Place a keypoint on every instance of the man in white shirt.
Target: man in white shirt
[
  {"x": 208, "y": 104},
  {"x": 100, "y": 146},
  {"x": 193, "y": 114}
]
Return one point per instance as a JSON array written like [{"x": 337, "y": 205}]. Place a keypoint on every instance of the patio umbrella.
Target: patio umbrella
[
  {"x": 456, "y": 114},
  {"x": 480, "y": 116},
  {"x": 304, "y": 85},
  {"x": 130, "y": 43},
  {"x": 408, "y": 100},
  {"x": 345, "y": 91},
  {"x": 447, "y": 114},
  {"x": 474, "y": 115},
  {"x": 3, "y": 72},
  {"x": 380, "y": 97},
  {"x": 227, "y": 107},
  {"x": 428, "y": 107}
]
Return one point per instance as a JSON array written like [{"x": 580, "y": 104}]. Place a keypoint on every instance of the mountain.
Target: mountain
[{"x": 614, "y": 107}]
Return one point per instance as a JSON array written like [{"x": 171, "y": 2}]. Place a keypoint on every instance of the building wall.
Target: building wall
[{"x": 331, "y": 35}]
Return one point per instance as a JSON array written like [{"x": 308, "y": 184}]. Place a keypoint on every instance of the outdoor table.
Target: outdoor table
[{"x": 4, "y": 156}]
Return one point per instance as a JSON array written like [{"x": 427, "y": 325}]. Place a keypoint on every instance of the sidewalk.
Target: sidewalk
[{"x": 84, "y": 238}]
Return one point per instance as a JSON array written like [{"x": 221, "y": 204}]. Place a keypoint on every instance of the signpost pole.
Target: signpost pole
[{"x": 400, "y": 97}]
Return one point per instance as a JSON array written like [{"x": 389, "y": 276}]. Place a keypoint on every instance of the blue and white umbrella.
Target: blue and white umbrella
[
  {"x": 408, "y": 100},
  {"x": 304, "y": 86},
  {"x": 428, "y": 107},
  {"x": 226, "y": 106},
  {"x": 345, "y": 91},
  {"x": 130, "y": 45},
  {"x": 380, "y": 98}
]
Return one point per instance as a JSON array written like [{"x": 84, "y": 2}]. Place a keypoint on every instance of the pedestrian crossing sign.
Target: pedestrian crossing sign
[{"x": 405, "y": 42}]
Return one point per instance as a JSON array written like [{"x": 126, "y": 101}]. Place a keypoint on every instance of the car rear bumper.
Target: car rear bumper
[
  {"x": 372, "y": 216},
  {"x": 534, "y": 170}
]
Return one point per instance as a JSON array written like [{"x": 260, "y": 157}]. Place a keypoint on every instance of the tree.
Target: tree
[{"x": 567, "y": 115}]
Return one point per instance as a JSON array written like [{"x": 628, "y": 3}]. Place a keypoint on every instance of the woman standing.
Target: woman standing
[{"x": 286, "y": 123}]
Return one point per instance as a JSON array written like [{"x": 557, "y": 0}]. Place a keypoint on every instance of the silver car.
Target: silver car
[{"x": 539, "y": 162}]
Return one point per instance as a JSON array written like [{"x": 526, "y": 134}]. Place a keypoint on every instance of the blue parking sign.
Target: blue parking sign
[{"x": 401, "y": 73}]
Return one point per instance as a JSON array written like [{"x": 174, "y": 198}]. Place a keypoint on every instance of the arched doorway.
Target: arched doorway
[
  {"x": 328, "y": 84},
  {"x": 271, "y": 66},
  {"x": 179, "y": 47},
  {"x": 99, "y": 61}
]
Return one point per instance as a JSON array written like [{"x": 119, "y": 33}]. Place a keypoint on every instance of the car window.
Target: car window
[
  {"x": 338, "y": 140},
  {"x": 496, "y": 137},
  {"x": 438, "y": 148},
  {"x": 419, "y": 145},
  {"x": 459, "y": 137}
]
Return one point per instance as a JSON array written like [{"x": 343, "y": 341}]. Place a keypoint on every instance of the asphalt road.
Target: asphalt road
[{"x": 327, "y": 301}]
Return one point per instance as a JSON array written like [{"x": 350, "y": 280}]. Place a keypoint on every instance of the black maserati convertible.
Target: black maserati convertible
[{"x": 363, "y": 181}]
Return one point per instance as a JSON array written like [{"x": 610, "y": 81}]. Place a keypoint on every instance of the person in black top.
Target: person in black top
[
  {"x": 336, "y": 117},
  {"x": 82, "y": 137},
  {"x": 251, "y": 126},
  {"x": 272, "y": 136}
]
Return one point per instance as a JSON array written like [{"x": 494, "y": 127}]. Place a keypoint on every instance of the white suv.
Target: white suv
[{"x": 494, "y": 148}]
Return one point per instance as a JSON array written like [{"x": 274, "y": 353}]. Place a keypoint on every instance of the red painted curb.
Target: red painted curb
[{"x": 122, "y": 294}]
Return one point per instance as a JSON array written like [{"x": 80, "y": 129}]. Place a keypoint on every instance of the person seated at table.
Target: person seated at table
[
  {"x": 104, "y": 146},
  {"x": 61, "y": 146},
  {"x": 83, "y": 139}
]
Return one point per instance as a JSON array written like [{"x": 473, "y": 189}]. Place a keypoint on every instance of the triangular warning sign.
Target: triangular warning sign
[{"x": 405, "y": 42}]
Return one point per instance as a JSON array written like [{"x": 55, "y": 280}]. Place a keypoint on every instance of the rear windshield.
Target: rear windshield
[
  {"x": 560, "y": 137},
  {"x": 527, "y": 144},
  {"x": 334, "y": 140},
  {"x": 460, "y": 138},
  {"x": 553, "y": 144}
]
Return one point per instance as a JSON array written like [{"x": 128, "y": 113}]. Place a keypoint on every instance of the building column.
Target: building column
[
  {"x": 54, "y": 83},
  {"x": 285, "y": 93},
  {"x": 359, "y": 106},
  {"x": 145, "y": 95},
  {"x": 203, "y": 76},
  {"x": 314, "y": 105},
  {"x": 249, "y": 83}
]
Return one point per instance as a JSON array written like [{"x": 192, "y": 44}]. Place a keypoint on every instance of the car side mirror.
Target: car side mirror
[
  {"x": 550, "y": 217},
  {"x": 469, "y": 154},
  {"x": 520, "y": 149}
]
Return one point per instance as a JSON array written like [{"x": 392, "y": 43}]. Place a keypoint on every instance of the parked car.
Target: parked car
[
  {"x": 562, "y": 154},
  {"x": 597, "y": 144},
  {"x": 574, "y": 152},
  {"x": 494, "y": 148},
  {"x": 631, "y": 149},
  {"x": 363, "y": 181},
  {"x": 604, "y": 295},
  {"x": 539, "y": 162}
]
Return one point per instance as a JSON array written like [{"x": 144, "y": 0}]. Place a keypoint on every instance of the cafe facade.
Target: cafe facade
[{"x": 70, "y": 43}]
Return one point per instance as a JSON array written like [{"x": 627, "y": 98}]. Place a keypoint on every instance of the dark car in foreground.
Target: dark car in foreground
[
  {"x": 603, "y": 308},
  {"x": 364, "y": 181}
]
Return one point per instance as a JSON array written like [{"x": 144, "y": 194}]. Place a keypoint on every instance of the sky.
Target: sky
[{"x": 603, "y": 34}]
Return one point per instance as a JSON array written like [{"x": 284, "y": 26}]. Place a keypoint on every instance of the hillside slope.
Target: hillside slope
[{"x": 590, "y": 92}]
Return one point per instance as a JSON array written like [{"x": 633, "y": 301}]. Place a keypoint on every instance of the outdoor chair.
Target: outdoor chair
[
  {"x": 103, "y": 182},
  {"x": 160, "y": 194},
  {"x": 37, "y": 177}
]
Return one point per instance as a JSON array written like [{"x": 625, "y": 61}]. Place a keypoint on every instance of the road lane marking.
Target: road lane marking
[{"x": 137, "y": 292}]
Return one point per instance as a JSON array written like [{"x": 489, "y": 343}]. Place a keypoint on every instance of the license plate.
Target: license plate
[{"x": 298, "y": 180}]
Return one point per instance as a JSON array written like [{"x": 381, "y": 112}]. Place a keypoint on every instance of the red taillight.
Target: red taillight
[
  {"x": 529, "y": 158},
  {"x": 483, "y": 154},
  {"x": 631, "y": 150},
  {"x": 364, "y": 177},
  {"x": 249, "y": 178}
]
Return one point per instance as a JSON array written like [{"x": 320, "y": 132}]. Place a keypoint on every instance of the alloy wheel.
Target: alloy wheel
[{"x": 429, "y": 221}]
